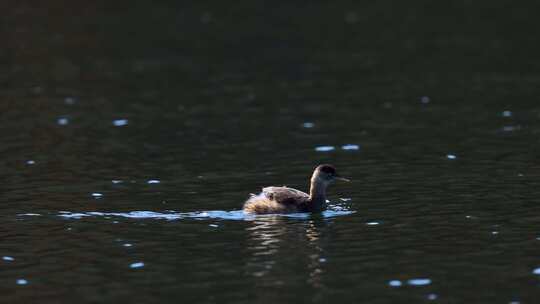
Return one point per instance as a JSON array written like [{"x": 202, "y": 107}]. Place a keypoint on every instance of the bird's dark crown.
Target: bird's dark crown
[{"x": 329, "y": 169}]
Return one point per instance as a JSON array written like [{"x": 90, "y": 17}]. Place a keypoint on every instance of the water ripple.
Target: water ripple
[{"x": 237, "y": 215}]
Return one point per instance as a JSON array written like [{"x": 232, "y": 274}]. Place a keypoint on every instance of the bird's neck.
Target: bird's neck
[{"x": 317, "y": 193}]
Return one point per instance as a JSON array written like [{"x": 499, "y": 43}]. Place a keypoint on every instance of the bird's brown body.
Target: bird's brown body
[
  {"x": 278, "y": 200},
  {"x": 289, "y": 200}
]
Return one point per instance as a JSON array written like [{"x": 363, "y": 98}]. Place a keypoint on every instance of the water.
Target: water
[{"x": 132, "y": 134}]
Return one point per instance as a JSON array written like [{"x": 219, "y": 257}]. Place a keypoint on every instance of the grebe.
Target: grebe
[{"x": 287, "y": 200}]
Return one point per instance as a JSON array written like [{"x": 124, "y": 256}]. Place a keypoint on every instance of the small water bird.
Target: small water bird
[{"x": 289, "y": 200}]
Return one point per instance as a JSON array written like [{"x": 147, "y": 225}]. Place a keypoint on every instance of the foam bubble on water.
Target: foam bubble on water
[
  {"x": 153, "y": 181},
  {"x": 425, "y": 99},
  {"x": 213, "y": 225},
  {"x": 62, "y": 121},
  {"x": 507, "y": 113},
  {"x": 432, "y": 296},
  {"x": 372, "y": 223},
  {"x": 419, "y": 282},
  {"x": 451, "y": 156},
  {"x": 536, "y": 271},
  {"x": 97, "y": 195},
  {"x": 324, "y": 148},
  {"x": 308, "y": 125},
  {"x": 350, "y": 147},
  {"x": 22, "y": 282},
  {"x": 117, "y": 181},
  {"x": 120, "y": 122},
  {"x": 29, "y": 214},
  {"x": 8, "y": 258},
  {"x": 30, "y": 162},
  {"x": 127, "y": 245},
  {"x": 136, "y": 265},
  {"x": 395, "y": 283}
]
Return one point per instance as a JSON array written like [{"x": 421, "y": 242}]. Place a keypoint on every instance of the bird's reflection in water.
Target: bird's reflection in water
[{"x": 286, "y": 251}]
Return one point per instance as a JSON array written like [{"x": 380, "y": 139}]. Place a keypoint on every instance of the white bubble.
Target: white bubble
[
  {"x": 537, "y": 271},
  {"x": 324, "y": 148},
  {"x": 372, "y": 223},
  {"x": 419, "y": 282},
  {"x": 451, "y": 156},
  {"x": 507, "y": 113},
  {"x": 97, "y": 195},
  {"x": 127, "y": 245},
  {"x": 432, "y": 296},
  {"x": 136, "y": 265},
  {"x": 116, "y": 181},
  {"x": 213, "y": 225},
  {"x": 395, "y": 283},
  {"x": 62, "y": 121},
  {"x": 308, "y": 125},
  {"x": 350, "y": 147},
  {"x": 69, "y": 100},
  {"x": 120, "y": 122},
  {"x": 425, "y": 99},
  {"x": 8, "y": 258},
  {"x": 30, "y": 214},
  {"x": 153, "y": 181},
  {"x": 30, "y": 162},
  {"x": 22, "y": 282}
]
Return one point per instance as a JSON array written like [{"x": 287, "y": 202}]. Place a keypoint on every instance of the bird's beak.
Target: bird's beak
[{"x": 342, "y": 179}]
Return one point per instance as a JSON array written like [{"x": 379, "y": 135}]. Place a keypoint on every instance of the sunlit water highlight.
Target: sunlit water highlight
[{"x": 236, "y": 215}]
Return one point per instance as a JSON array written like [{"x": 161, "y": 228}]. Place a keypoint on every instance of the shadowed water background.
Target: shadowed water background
[{"x": 132, "y": 134}]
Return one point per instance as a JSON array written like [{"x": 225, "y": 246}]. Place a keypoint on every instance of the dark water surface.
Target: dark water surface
[{"x": 132, "y": 133}]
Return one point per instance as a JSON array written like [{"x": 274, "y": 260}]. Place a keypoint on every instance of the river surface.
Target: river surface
[{"x": 131, "y": 134}]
